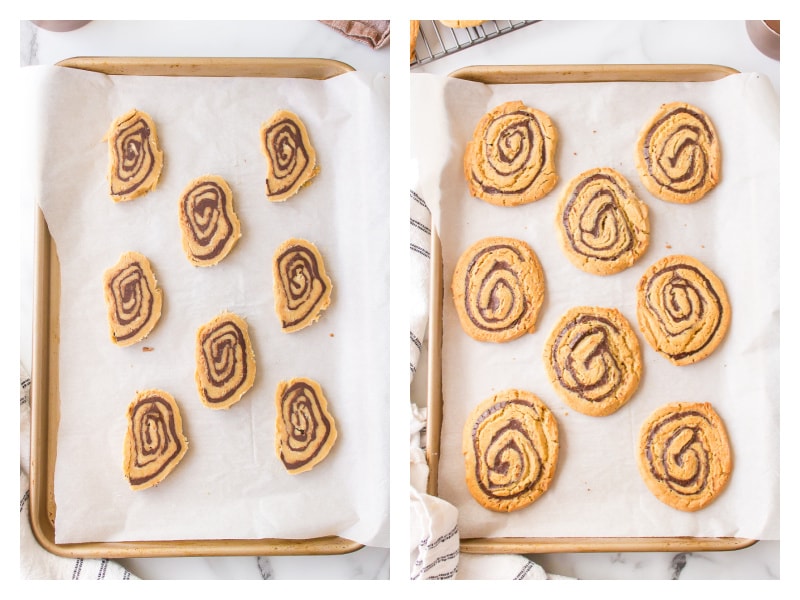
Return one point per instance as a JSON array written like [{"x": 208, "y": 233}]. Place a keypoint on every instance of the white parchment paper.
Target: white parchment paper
[
  {"x": 597, "y": 490},
  {"x": 230, "y": 484}
]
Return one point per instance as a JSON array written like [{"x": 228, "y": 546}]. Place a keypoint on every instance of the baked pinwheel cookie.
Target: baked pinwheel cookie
[
  {"x": 604, "y": 227},
  {"x": 291, "y": 159},
  {"x": 304, "y": 427},
  {"x": 154, "y": 441},
  {"x": 511, "y": 157},
  {"x": 678, "y": 154},
  {"x": 460, "y": 24},
  {"x": 593, "y": 359},
  {"x": 133, "y": 299},
  {"x": 226, "y": 363},
  {"x": 510, "y": 447},
  {"x": 414, "y": 32},
  {"x": 682, "y": 308},
  {"x": 498, "y": 289},
  {"x": 301, "y": 286},
  {"x": 209, "y": 225},
  {"x": 135, "y": 158},
  {"x": 684, "y": 455}
]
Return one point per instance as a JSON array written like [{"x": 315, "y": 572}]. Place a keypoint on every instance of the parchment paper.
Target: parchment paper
[
  {"x": 597, "y": 490},
  {"x": 230, "y": 484}
]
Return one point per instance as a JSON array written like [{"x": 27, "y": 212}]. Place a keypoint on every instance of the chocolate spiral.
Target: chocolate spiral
[
  {"x": 209, "y": 226},
  {"x": 135, "y": 156},
  {"x": 132, "y": 298},
  {"x": 683, "y": 309},
  {"x": 680, "y": 154},
  {"x": 685, "y": 455},
  {"x": 225, "y": 361},
  {"x": 305, "y": 429},
  {"x": 154, "y": 443},
  {"x": 302, "y": 288},
  {"x": 511, "y": 449}
]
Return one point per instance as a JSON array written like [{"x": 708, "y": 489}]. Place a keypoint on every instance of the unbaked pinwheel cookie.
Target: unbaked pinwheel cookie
[
  {"x": 209, "y": 225},
  {"x": 291, "y": 159},
  {"x": 135, "y": 157},
  {"x": 511, "y": 157},
  {"x": 226, "y": 363},
  {"x": 301, "y": 286},
  {"x": 304, "y": 427},
  {"x": 154, "y": 441},
  {"x": 682, "y": 308},
  {"x": 133, "y": 299},
  {"x": 678, "y": 154},
  {"x": 604, "y": 227},
  {"x": 593, "y": 359},
  {"x": 498, "y": 289},
  {"x": 684, "y": 455},
  {"x": 510, "y": 446}
]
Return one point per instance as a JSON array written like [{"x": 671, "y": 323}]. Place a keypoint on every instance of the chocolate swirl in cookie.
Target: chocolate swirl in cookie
[
  {"x": 510, "y": 446},
  {"x": 679, "y": 154},
  {"x": 154, "y": 441},
  {"x": 291, "y": 159},
  {"x": 510, "y": 159},
  {"x": 683, "y": 309},
  {"x": 593, "y": 359},
  {"x": 498, "y": 289},
  {"x": 132, "y": 298},
  {"x": 684, "y": 455},
  {"x": 301, "y": 286},
  {"x": 604, "y": 227},
  {"x": 305, "y": 429},
  {"x": 209, "y": 226},
  {"x": 226, "y": 366},
  {"x": 135, "y": 157}
]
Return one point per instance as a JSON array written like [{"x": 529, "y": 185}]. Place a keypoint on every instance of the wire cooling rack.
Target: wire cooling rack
[{"x": 436, "y": 40}]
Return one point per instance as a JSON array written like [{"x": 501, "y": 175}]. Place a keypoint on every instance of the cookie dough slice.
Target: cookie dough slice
[
  {"x": 510, "y": 446},
  {"x": 511, "y": 157},
  {"x": 226, "y": 363},
  {"x": 682, "y": 308},
  {"x": 305, "y": 430},
  {"x": 154, "y": 441},
  {"x": 604, "y": 227},
  {"x": 135, "y": 158},
  {"x": 678, "y": 154},
  {"x": 291, "y": 159},
  {"x": 498, "y": 289},
  {"x": 209, "y": 225},
  {"x": 133, "y": 299},
  {"x": 684, "y": 455},
  {"x": 593, "y": 359},
  {"x": 301, "y": 286}
]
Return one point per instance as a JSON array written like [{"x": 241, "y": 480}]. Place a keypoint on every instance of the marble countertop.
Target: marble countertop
[{"x": 548, "y": 42}]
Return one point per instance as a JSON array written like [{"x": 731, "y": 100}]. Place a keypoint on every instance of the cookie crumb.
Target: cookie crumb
[
  {"x": 668, "y": 246},
  {"x": 147, "y": 349},
  {"x": 331, "y": 334}
]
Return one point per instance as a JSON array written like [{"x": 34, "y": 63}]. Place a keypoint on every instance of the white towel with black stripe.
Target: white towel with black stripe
[{"x": 420, "y": 273}]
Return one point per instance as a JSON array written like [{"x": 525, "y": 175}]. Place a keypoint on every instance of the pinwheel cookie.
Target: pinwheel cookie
[
  {"x": 604, "y": 227},
  {"x": 684, "y": 455},
  {"x": 301, "y": 286},
  {"x": 498, "y": 289},
  {"x": 132, "y": 298},
  {"x": 226, "y": 363},
  {"x": 154, "y": 441},
  {"x": 304, "y": 427},
  {"x": 678, "y": 154},
  {"x": 593, "y": 359},
  {"x": 209, "y": 226},
  {"x": 135, "y": 158},
  {"x": 511, "y": 157},
  {"x": 460, "y": 24},
  {"x": 291, "y": 159},
  {"x": 682, "y": 308},
  {"x": 510, "y": 446}
]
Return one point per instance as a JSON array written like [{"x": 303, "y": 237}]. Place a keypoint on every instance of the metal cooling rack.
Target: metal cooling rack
[{"x": 436, "y": 40}]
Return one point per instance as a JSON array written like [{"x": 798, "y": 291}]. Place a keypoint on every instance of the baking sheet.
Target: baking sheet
[
  {"x": 599, "y": 496},
  {"x": 206, "y": 125}
]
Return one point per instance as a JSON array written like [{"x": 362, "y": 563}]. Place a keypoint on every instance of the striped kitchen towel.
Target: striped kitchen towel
[{"x": 420, "y": 273}]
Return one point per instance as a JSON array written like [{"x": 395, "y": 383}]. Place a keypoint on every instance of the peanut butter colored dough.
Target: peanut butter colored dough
[
  {"x": 209, "y": 225},
  {"x": 301, "y": 286},
  {"x": 133, "y": 299},
  {"x": 135, "y": 158},
  {"x": 291, "y": 159}
]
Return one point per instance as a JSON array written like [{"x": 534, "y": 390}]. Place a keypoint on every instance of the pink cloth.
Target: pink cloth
[{"x": 372, "y": 33}]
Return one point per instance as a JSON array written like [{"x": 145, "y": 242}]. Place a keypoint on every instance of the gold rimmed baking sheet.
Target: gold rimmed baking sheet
[
  {"x": 523, "y": 74},
  {"x": 45, "y": 389}
]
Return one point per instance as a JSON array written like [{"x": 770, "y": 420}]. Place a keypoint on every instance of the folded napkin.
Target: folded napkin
[{"x": 372, "y": 33}]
